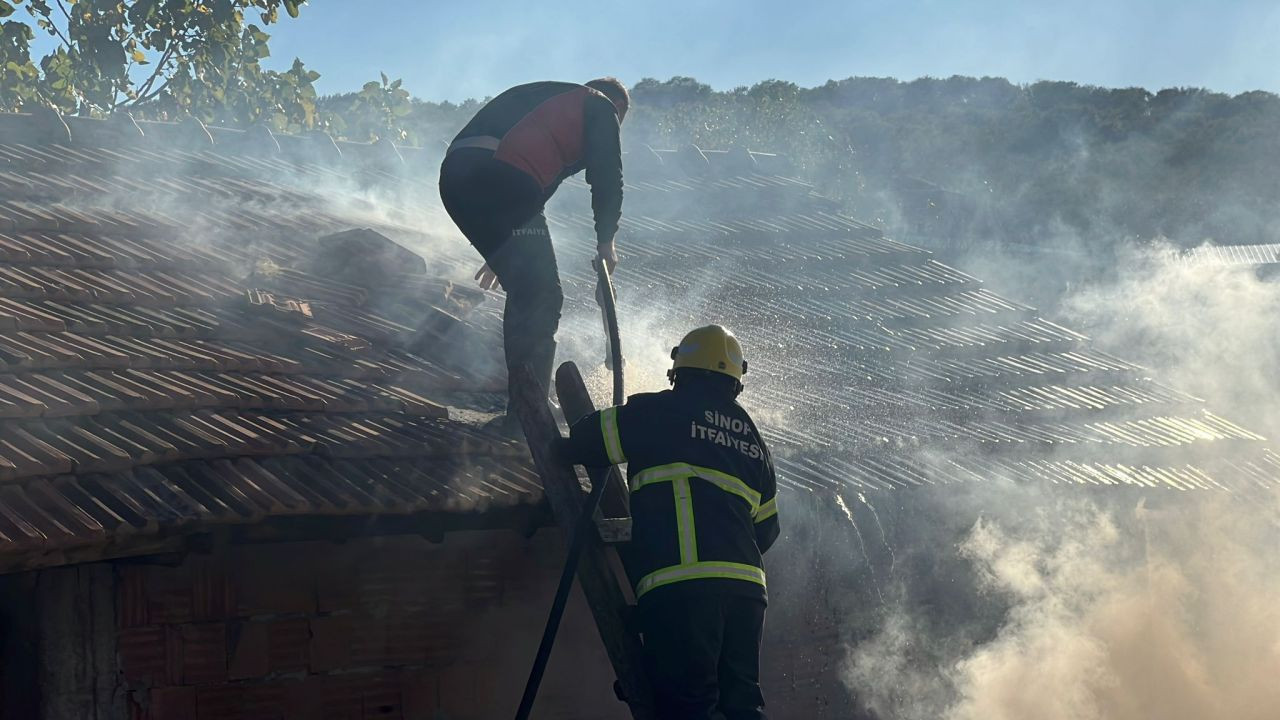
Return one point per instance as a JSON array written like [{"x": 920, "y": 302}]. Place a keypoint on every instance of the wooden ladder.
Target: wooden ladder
[{"x": 601, "y": 571}]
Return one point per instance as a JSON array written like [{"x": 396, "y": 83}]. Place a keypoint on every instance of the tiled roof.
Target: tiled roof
[
  {"x": 166, "y": 361},
  {"x": 170, "y": 358},
  {"x": 1234, "y": 255},
  {"x": 875, "y": 366}
]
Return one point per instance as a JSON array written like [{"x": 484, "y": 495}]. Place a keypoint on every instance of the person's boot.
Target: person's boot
[{"x": 506, "y": 426}]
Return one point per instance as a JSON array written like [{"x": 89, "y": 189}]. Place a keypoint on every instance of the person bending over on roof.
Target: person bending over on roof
[
  {"x": 704, "y": 512},
  {"x": 498, "y": 174}
]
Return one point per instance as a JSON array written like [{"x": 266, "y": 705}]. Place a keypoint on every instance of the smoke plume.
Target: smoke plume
[
  {"x": 1147, "y": 614},
  {"x": 1205, "y": 328},
  {"x": 1105, "y": 607}
]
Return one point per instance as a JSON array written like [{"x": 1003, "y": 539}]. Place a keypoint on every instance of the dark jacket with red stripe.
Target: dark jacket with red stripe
[{"x": 551, "y": 130}]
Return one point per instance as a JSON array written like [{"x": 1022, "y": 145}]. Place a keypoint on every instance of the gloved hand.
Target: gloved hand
[{"x": 487, "y": 279}]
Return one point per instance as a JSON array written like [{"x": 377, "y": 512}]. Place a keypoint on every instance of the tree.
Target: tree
[
  {"x": 378, "y": 111},
  {"x": 18, "y": 75},
  {"x": 157, "y": 57},
  {"x": 676, "y": 91}
]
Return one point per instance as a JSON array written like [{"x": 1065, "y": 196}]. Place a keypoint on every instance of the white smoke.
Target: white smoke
[
  {"x": 1153, "y": 614},
  {"x": 1207, "y": 329},
  {"x": 1088, "y": 612}
]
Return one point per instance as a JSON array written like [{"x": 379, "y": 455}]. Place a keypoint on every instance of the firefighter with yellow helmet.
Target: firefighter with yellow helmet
[{"x": 704, "y": 512}]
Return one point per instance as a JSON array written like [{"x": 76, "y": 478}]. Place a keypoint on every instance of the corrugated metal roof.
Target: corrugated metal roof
[
  {"x": 46, "y": 515},
  {"x": 157, "y": 374},
  {"x": 1233, "y": 255},
  {"x": 870, "y": 358},
  {"x": 156, "y": 371}
]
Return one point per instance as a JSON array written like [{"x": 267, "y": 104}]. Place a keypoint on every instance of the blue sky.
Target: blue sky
[{"x": 454, "y": 50}]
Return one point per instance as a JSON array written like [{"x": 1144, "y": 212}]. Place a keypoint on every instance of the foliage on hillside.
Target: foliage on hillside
[
  {"x": 1028, "y": 160},
  {"x": 1025, "y": 163},
  {"x": 1021, "y": 162}
]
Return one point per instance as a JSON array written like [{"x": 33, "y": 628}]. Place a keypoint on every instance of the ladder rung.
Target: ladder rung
[{"x": 614, "y": 530}]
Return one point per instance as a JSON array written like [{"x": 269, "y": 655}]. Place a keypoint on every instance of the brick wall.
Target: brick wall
[
  {"x": 378, "y": 628},
  {"x": 386, "y": 628}
]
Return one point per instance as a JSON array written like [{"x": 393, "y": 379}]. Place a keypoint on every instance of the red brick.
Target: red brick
[
  {"x": 250, "y": 654},
  {"x": 442, "y": 639},
  {"x": 403, "y": 639},
  {"x": 220, "y": 702},
  {"x": 458, "y": 691},
  {"x": 173, "y": 655},
  {"x": 380, "y": 698},
  {"x": 337, "y": 580},
  {"x": 275, "y": 579},
  {"x": 368, "y": 641},
  {"x": 343, "y": 697},
  {"x": 131, "y": 598},
  {"x": 362, "y": 697},
  {"x": 138, "y": 702},
  {"x": 398, "y": 578},
  {"x": 289, "y": 641},
  {"x": 419, "y": 693},
  {"x": 174, "y": 703},
  {"x": 482, "y": 580},
  {"x": 204, "y": 653},
  {"x": 212, "y": 597},
  {"x": 330, "y": 643},
  {"x": 143, "y": 655},
  {"x": 305, "y": 700},
  {"x": 168, "y": 595},
  {"x": 265, "y": 702}
]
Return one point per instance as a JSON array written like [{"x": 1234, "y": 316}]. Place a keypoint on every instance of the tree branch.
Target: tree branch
[
  {"x": 143, "y": 98},
  {"x": 53, "y": 27},
  {"x": 146, "y": 86}
]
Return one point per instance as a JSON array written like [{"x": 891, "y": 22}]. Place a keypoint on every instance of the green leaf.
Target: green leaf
[{"x": 291, "y": 7}]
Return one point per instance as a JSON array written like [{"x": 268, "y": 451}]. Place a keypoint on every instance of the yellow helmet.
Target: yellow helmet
[{"x": 709, "y": 348}]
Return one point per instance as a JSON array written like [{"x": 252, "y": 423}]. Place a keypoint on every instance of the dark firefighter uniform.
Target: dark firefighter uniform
[
  {"x": 704, "y": 511},
  {"x": 498, "y": 174}
]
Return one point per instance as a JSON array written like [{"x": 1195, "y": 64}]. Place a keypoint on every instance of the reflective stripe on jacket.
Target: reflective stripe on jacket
[{"x": 703, "y": 488}]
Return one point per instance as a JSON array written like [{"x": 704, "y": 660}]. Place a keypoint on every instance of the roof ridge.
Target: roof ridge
[{"x": 45, "y": 126}]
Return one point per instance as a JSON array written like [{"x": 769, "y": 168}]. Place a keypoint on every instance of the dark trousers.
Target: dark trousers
[
  {"x": 702, "y": 653},
  {"x": 499, "y": 210}
]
